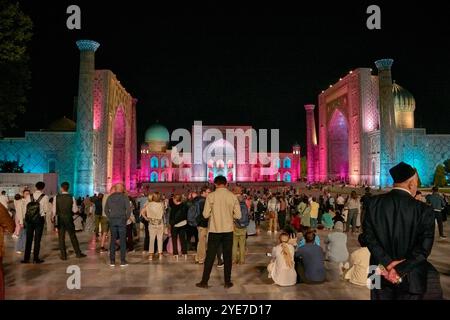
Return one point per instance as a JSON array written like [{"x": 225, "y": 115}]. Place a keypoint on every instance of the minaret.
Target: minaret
[
  {"x": 296, "y": 163},
  {"x": 311, "y": 142},
  {"x": 387, "y": 120},
  {"x": 84, "y": 160},
  {"x": 133, "y": 151}
]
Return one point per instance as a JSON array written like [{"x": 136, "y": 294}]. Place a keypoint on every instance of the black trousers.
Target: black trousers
[
  {"x": 34, "y": 231},
  {"x": 69, "y": 227},
  {"x": 192, "y": 232},
  {"x": 392, "y": 293},
  {"x": 146, "y": 235},
  {"x": 214, "y": 241},
  {"x": 282, "y": 219},
  {"x": 179, "y": 232},
  {"x": 130, "y": 242},
  {"x": 438, "y": 216}
]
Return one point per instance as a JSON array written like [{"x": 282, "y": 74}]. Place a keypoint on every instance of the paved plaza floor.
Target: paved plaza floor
[{"x": 174, "y": 280}]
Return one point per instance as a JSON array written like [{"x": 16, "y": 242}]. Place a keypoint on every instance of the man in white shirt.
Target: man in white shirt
[
  {"x": 340, "y": 202},
  {"x": 4, "y": 199},
  {"x": 35, "y": 226},
  {"x": 221, "y": 208}
]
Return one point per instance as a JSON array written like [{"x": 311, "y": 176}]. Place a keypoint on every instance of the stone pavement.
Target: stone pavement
[{"x": 173, "y": 280}]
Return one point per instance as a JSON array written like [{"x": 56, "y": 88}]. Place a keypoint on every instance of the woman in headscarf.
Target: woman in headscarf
[
  {"x": 337, "y": 252},
  {"x": 282, "y": 267}
]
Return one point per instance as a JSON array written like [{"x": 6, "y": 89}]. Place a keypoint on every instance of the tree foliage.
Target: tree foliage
[
  {"x": 447, "y": 166},
  {"x": 439, "y": 176},
  {"x": 15, "y": 35},
  {"x": 11, "y": 167}
]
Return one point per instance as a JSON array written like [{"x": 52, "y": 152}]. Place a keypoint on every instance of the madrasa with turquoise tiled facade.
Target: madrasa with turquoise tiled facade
[{"x": 366, "y": 126}]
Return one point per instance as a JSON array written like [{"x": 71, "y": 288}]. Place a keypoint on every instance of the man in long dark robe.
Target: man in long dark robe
[{"x": 399, "y": 233}]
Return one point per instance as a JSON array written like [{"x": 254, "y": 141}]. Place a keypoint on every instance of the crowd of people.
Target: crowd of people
[{"x": 213, "y": 223}]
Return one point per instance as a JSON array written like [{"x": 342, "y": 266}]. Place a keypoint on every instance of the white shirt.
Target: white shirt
[
  {"x": 4, "y": 201},
  {"x": 340, "y": 200},
  {"x": 273, "y": 205},
  {"x": 74, "y": 205},
  {"x": 44, "y": 205}
]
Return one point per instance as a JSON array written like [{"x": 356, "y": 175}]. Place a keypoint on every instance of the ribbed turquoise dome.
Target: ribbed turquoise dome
[{"x": 157, "y": 132}]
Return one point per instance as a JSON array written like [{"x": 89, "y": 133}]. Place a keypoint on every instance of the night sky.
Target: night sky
[{"x": 232, "y": 65}]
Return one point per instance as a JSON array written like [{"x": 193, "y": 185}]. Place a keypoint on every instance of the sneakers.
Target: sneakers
[
  {"x": 220, "y": 266},
  {"x": 160, "y": 256},
  {"x": 150, "y": 257},
  {"x": 38, "y": 261},
  {"x": 103, "y": 250},
  {"x": 443, "y": 237},
  {"x": 112, "y": 264},
  {"x": 124, "y": 264},
  {"x": 81, "y": 255},
  {"x": 228, "y": 285}
]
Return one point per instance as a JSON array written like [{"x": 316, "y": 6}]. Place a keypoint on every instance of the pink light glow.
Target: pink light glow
[{"x": 119, "y": 147}]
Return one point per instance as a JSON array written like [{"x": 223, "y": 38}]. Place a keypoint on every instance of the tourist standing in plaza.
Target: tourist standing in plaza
[
  {"x": 438, "y": 204},
  {"x": 365, "y": 202},
  {"x": 6, "y": 225},
  {"x": 17, "y": 206},
  {"x": 4, "y": 199},
  {"x": 222, "y": 208},
  {"x": 153, "y": 213},
  {"x": 36, "y": 212},
  {"x": 202, "y": 226},
  {"x": 118, "y": 211},
  {"x": 64, "y": 206},
  {"x": 21, "y": 207},
  {"x": 353, "y": 205},
  {"x": 98, "y": 210},
  {"x": 399, "y": 233},
  {"x": 145, "y": 223},
  {"x": 104, "y": 222},
  {"x": 314, "y": 213},
  {"x": 178, "y": 225},
  {"x": 282, "y": 212},
  {"x": 240, "y": 230},
  {"x": 273, "y": 206},
  {"x": 340, "y": 203}
]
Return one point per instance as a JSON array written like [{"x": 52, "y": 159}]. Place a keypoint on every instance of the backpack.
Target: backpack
[
  {"x": 193, "y": 213},
  {"x": 243, "y": 222},
  {"x": 33, "y": 212}
]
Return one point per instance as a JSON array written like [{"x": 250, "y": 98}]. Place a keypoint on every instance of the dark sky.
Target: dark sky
[{"x": 232, "y": 65}]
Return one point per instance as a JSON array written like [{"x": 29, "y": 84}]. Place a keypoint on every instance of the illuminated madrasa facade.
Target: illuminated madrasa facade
[
  {"x": 238, "y": 162},
  {"x": 366, "y": 126},
  {"x": 96, "y": 151},
  {"x": 100, "y": 149}
]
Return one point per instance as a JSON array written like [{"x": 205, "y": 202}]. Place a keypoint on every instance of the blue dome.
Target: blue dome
[{"x": 157, "y": 132}]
